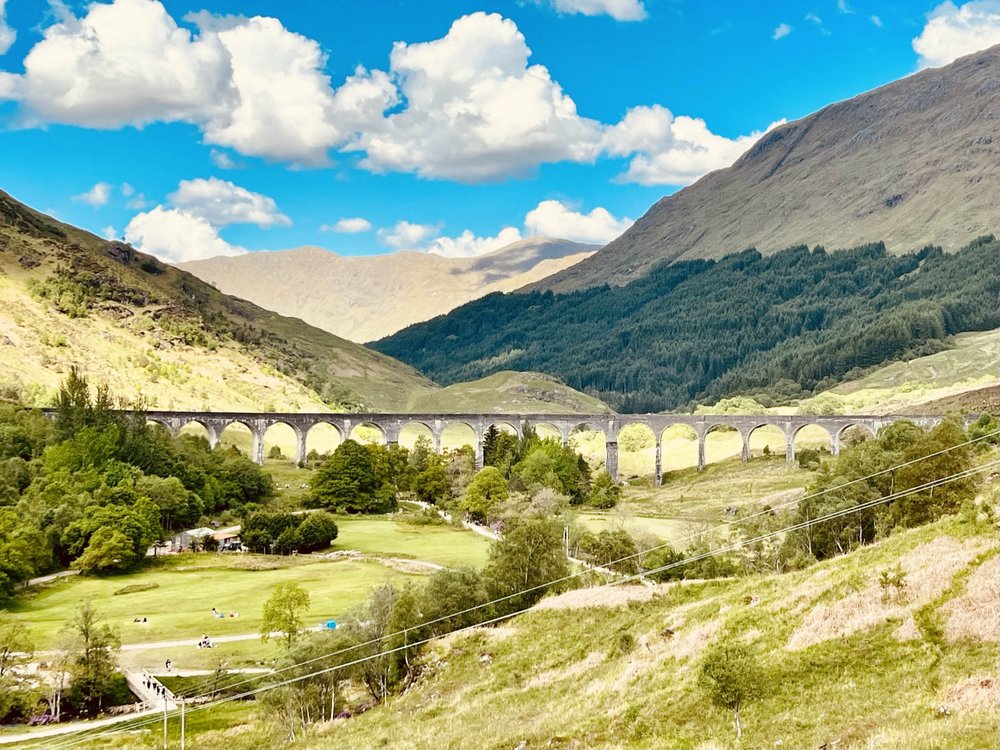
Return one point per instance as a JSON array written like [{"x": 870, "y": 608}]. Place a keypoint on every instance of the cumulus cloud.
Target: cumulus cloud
[
  {"x": 781, "y": 31},
  {"x": 475, "y": 110},
  {"x": 222, "y": 203},
  {"x": 353, "y": 225},
  {"x": 953, "y": 31},
  {"x": 249, "y": 84},
  {"x": 406, "y": 235},
  {"x": 468, "y": 106},
  {"x": 109, "y": 232},
  {"x": 7, "y": 34},
  {"x": 553, "y": 218},
  {"x": 620, "y": 10},
  {"x": 177, "y": 236},
  {"x": 550, "y": 218},
  {"x": 468, "y": 245},
  {"x": 671, "y": 150},
  {"x": 97, "y": 196}
]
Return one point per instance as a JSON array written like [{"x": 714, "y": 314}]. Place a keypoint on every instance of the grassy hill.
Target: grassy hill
[
  {"x": 508, "y": 391},
  {"x": 146, "y": 328},
  {"x": 617, "y": 668}
]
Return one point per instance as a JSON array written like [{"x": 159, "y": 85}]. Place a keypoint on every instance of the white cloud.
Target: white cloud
[
  {"x": 953, "y": 31},
  {"x": 781, "y": 31},
  {"x": 354, "y": 225},
  {"x": 7, "y": 34},
  {"x": 249, "y": 84},
  {"x": 843, "y": 7},
  {"x": 475, "y": 110},
  {"x": 406, "y": 235},
  {"x": 137, "y": 202},
  {"x": 176, "y": 236},
  {"x": 671, "y": 150},
  {"x": 620, "y": 10},
  {"x": 553, "y": 218},
  {"x": 221, "y": 203},
  {"x": 468, "y": 245},
  {"x": 467, "y": 106},
  {"x": 97, "y": 196},
  {"x": 222, "y": 160},
  {"x": 877, "y": 21},
  {"x": 109, "y": 232},
  {"x": 812, "y": 17},
  {"x": 127, "y": 190}
]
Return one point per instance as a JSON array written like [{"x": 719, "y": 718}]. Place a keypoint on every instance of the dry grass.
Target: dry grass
[
  {"x": 976, "y": 693},
  {"x": 976, "y": 613},
  {"x": 929, "y": 570},
  {"x": 544, "y": 679},
  {"x": 601, "y": 596}
]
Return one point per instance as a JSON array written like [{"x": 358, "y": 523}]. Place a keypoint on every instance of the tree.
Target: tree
[
  {"x": 523, "y": 562},
  {"x": 15, "y": 652},
  {"x": 283, "y": 612},
  {"x": 317, "y": 531},
  {"x": 432, "y": 483},
  {"x": 349, "y": 482},
  {"x": 108, "y": 549},
  {"x": 94, "y": 660},
  {"x": 485, "y": 494},
  {"x": 605, "y": 492},
  {"x": 732, "y": 676}
]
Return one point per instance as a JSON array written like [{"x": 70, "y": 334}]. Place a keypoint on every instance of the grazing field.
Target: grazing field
[{"x": 180, "y": 590}]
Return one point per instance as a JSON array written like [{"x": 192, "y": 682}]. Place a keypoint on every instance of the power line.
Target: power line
[{"x": 821, "y": 519}]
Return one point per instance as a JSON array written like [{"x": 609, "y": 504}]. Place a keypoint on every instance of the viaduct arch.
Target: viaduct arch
[{"x": 611, "y": 424}]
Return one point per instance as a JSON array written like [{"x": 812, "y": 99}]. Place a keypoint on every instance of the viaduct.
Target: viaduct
[{"x": 390, "y": 425}]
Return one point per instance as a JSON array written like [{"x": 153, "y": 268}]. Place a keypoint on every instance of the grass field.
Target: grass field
[{"x": 443, "y": 545}]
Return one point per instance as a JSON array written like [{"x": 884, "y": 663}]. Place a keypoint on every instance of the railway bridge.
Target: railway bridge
[{"x": 391, "y": 425}]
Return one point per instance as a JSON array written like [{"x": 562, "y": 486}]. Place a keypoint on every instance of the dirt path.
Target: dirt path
[{"x": 75, "y": 726}]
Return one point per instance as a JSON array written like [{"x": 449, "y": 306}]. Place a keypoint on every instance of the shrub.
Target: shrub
[{"x": 135, "y": 588}]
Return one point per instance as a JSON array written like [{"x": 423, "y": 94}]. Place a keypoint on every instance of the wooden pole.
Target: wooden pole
[
  {"x": 182, "y": 724},
  {"x": 164, "y": 722}
]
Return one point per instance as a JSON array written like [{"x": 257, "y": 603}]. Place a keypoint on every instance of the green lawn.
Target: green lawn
[{"x": 443, "y": 545}]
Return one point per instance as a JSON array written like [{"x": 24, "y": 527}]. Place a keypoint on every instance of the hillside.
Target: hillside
[
  {"x": 150, "y": 330},
  {"x": 510, "y": 392},
  {"x": 781, "y": 327},
  {"x": 367, "y": 298},
  {"x": 913, "y": 163},
  {"x": 617, "y": 668}
]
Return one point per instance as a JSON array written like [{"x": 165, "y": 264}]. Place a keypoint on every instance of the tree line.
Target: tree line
[{"x": 779, "y": 327}]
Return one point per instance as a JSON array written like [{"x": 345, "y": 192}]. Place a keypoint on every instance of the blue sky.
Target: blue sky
[{"x": 200, "y": 128}]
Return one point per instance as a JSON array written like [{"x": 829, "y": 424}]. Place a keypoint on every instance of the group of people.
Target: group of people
[
  {"x": 222, "y": 615},
  {"x": 152, "y": 684},
  {"x": 205, "y": 642}
]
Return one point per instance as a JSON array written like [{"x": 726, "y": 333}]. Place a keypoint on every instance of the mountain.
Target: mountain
[
  {"x": 913, "y": 163},
  {"x": 778, "y": 327},
  {"x": 366, "y": 298}
]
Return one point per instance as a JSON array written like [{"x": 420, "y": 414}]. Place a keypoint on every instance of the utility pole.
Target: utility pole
[
  {"x": 182, "y": 724},
  {"x": 164, "y": 722}
]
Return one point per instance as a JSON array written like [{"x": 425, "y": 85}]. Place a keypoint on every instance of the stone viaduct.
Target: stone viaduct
[{"x": 390, "y": 425}]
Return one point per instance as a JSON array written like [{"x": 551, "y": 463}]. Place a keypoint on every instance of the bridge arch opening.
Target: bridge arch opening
[
  {"x": 411, "y": 432},
  {"x": 636, "y": 452},
  {"x": 813, "y": 443},
  {"x": 281, "y": 442},
  {"x": 237, "y": 435},
  {"x": 457, "y": 435},
  {"x": 680, "y": 447},
  {"x": 722, "y": 442},
  {"x": 368, "y": 433},
  {"x": 855, "y": 433},
  {"x": 156, "y": 425},
  {"x": 195, "y": 429},
  {"x": 590, "y": 442},
  {"x": 768, "y": 440},
  {"x": 322, "y": 439}
]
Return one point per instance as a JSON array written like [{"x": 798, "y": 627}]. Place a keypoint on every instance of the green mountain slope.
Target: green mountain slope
[
  {"x": 511, "y": 392},
  {"x": 149, "y": 329},
  {"x": 617, "y": 668},
  {"x": 782, "y": 326}
]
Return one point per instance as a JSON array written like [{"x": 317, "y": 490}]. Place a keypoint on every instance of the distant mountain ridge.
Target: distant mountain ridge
[
  {"x": 912, "y": 163},
  {"x": 363, "y": 298}
]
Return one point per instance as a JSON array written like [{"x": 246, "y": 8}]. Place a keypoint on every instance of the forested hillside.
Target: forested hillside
[{"x": 776, "y": 327}]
